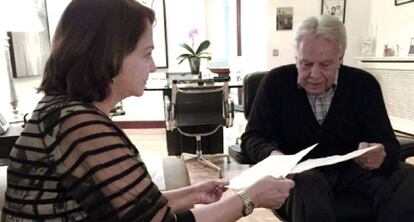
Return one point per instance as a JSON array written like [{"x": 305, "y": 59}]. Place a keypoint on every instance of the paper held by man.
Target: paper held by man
[{"x": 282, "y": 165}]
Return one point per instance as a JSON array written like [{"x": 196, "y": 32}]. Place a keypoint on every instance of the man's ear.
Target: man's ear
[
  {"x": 296, "y": 58},
  {"x": 341, "y": 59}
]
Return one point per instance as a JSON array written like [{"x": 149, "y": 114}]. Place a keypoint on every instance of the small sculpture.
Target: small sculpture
[{"x": 388, "y": 51}]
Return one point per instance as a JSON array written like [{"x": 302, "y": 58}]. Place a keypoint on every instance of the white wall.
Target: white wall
[
  {"x": 388, "y": 23},
  {"x": 356, "y": 22},
  {"x": 218, "y": 30},
  {"x": 253, "y": 31},
  {"x": 254, "y": 39},
  {"x": 283, "y": 40},
  {"x": 393, "y": 24},
  {"x": 4, "y": 80},
  {"x": 179, "y": 24},
  {"x": 357, "y": 25},
  {"x": 55, "y": 9}
]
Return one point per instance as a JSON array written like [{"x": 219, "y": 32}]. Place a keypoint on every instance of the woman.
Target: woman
[{"x": 72, "y": 163}]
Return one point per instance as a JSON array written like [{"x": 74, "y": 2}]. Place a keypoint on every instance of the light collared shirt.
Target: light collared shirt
[{"x": 320, "y": 104}]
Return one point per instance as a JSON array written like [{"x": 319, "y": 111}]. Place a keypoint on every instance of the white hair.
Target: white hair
[{"x": 327, "y": 27}]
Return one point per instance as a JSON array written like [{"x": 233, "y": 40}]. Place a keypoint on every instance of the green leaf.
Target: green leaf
[
  {"x": 184, "y": 45},
  {"x": 179, "y": 62},
  {"x": 203, "y": 46},
  {"x": 204, "y": 53},
  {"x": 199, "y": 53},
  {"x": 183, "y": 57}
]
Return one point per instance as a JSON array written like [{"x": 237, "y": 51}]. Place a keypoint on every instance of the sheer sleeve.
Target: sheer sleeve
[{"x": 103, "y": 172}]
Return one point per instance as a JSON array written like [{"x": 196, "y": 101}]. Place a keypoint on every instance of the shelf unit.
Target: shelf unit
[{"x": 392, "y": 62}]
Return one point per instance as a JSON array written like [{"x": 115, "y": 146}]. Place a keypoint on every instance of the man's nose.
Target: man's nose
[{"x": 315, "y": 70}]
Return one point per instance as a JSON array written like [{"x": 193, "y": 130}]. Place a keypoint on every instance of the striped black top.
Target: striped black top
[{"x": 73, "y": 163}]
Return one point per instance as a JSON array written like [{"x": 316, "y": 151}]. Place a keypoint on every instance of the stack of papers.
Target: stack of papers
[{"x": 282, "y": 165}]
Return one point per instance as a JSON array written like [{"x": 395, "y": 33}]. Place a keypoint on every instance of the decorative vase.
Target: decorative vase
[
  {"x": 368, "y": 46},
  {"x": 194, "y": 65}
]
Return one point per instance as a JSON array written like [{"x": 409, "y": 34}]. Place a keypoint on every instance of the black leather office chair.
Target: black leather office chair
[
  {"x": 345, "y": 211},
  {"x": 250, "y": 84},
  {"x": 199, "y": 108}
]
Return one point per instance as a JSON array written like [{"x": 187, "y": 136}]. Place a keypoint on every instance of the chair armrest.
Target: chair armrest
[
  {"x": 175, "y": 173},
  {"x": 229, "y": 112},
  {"x": 168, "y": 172},
  {"x": 237, "y": 154},
  {"x": 407, "y": 147},
  {"x": 168, "y": 113}
]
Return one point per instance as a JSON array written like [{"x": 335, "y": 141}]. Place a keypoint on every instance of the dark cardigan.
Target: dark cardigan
[{"x": 282, "y": 118}]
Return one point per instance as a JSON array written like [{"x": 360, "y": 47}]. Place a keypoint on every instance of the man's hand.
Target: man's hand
[
  {"x": 276, "y": 152},
  {"x": 270, "y": 192},
  {"x": 373, "y": 159}
]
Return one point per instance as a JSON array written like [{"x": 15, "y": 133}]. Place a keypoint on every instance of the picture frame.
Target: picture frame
[
  {"x": 334, "y": 8},
  {"x": 160, "y": 52},
  {"x": 411, "y": 49},
  {"x": 284, "y": 18},
  {"x": 400, "y": 2}
]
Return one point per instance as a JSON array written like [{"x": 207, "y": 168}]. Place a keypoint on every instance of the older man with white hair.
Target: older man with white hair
[{"x": 320, "y": 100}]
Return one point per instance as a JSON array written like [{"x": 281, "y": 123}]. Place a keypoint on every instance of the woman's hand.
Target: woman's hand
[
  {"x": 209, "y": 192},
  {"x": 186, "y": 197},
  {"x": 270, "y": 192}
]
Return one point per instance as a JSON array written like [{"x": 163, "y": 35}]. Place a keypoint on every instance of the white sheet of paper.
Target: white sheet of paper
[
  {"x": 274, "y": 165},
  {"x": 317, "y": 162},
  {"x": 282, "y": 165}
]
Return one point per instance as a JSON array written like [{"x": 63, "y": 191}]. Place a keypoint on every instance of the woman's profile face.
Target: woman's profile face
[{"x": 135, "y": 68}]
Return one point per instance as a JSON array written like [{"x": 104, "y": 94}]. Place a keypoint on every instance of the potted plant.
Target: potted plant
[{"x": 193, "y": 55}]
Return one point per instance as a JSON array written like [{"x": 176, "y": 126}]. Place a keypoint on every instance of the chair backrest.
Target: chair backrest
[
  {"x": 200, "y": 107},
  {"x": 251, "y": 83}
]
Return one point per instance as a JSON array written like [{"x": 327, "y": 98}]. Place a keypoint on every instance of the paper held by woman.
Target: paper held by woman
[{"x": 282, "y": 165}]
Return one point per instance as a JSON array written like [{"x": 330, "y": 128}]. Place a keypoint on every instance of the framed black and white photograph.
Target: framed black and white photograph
[
  {"x": 411, "y": 49},
  {"x": 334, "y": 8},
  {"x": 400, "y": 2},
  {"x": 284, "y": 18},
  {"x": 160, "y": 52}
]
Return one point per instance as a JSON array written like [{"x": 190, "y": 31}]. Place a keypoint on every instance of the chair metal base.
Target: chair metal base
[{"x": 204, "y": 160}]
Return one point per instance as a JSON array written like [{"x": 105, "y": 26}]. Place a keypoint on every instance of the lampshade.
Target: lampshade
[{"x": 20, "y": 16}]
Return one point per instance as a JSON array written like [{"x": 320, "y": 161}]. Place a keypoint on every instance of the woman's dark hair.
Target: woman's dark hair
[{"x": 90, "y": 43}]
